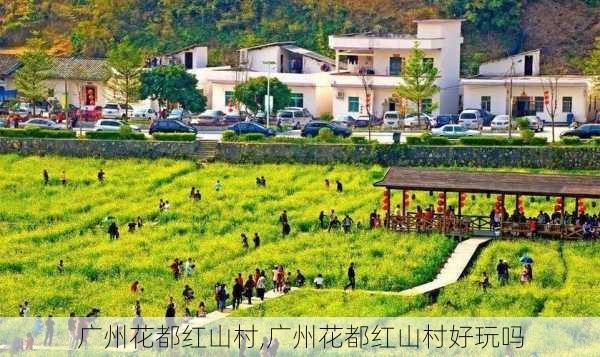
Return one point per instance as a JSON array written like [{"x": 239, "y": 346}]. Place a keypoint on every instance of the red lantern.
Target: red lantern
[
  {"x": 499, "y": 198},
  {"x": 385, "y": 203},
  {"x": 462, "y": 199},
  {"x": 559, "y": 200},
  {"x": 440, "y": 209},
  {"x": 557, "y": 207}
]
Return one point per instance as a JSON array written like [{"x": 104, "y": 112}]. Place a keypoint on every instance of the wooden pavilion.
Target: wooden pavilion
[{"x": 445, "y": 182}]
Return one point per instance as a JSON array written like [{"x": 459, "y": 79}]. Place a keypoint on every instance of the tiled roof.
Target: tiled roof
[
  {"x": 8, "y": 64},
  {"x": 88, "y": 69}
]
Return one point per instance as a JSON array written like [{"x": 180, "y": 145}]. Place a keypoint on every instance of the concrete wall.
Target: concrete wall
[
  {"x": 502, "y": 67},
  {"x": 76, "y": 91}
]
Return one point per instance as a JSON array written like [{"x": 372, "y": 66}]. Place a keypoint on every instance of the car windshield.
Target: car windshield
[
  {"x": 111, "y": 106},
  {"x": 468, "y": 116},
  {"x": 459, "y": 128},
  {"x": 285, "y": 114},
  {"x": 391, "y": 116}
]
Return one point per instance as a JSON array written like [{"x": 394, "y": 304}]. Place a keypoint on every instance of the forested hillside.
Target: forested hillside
[{"x": 564, "y": 29}]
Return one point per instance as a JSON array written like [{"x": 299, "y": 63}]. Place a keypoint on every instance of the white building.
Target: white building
[
  {"x": 306, "y": 73},
  {"x": 191, "y": 57},
  {"x": 520, "y": 75},
  {"x": 381, "y": 56}
]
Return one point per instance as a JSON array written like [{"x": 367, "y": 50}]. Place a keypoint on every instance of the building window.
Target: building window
[
  {"x": 395, "y": 66},
  {"x": 486, "y": 103},
  {"x": 353, "y": 104},
  {"x": 428, "y": 62},
  {"x": 228, "y": 97},
  {"x": 352, "y": 59},
  {"x": 426, "y": 105},
  {"x": 539, "y": 104},
  {"x": 567, "y": 104},
  {"x": 297, "y": 100}
]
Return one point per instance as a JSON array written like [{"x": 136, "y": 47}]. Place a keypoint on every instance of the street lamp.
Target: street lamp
[{"x": 268, "y": 100}]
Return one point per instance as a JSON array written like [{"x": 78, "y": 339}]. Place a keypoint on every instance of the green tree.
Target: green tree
[
  {"x": 592, "y": 66},
  {"x": 418, "y": 80},
  {"x": 125, "y": 61},
  {"x": 252, "y": 93},
  {"x": 35, "y": 66},
  {"x": 170, "y": 85},
  {"x": 488, "y": 15}
]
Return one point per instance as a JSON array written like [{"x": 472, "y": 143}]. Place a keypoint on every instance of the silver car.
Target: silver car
[
  {"x": 453, "y": 131},
  {"x": 41, "y": 123}
]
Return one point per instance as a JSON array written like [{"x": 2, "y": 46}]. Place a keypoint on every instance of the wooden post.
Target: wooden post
[
  {"x": 444, "y": 212},
  {"x": 501, "y": 213},
  {"x": 459, "y": 208},
  {"x": 562, "y": 217},
  {"x": 403, "y": 203},
  {"x": 388, "y": 215}
]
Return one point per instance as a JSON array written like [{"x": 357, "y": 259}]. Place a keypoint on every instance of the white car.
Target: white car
[
  {"x": 411, "y": 120},
  {"x": 470, "y": 119},
  {"x": 294, "y": 117},
  {"x": 111, "y": 125},
  {"x": 392, "y": 119},
  {"x": 500, "y": 122},
  {"x": 145, "y": 113},
  {"x": 453, "y": 130},
  {"x": 111, "y": 111},
  {"x": 42, "y": 123}
]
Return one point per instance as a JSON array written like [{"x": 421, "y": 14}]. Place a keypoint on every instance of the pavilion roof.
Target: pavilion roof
[{"x": 492, "y": 182}]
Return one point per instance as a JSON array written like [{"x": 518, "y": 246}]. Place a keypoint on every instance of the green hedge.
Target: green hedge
[
  {"x": 595, "y": 141},
  {"x": 114, "y": 135},
  {"x": 567, "y": 140},
  {"x": 229, "y": 135},
  {"x": 414, "y": 140},
  {"x": 438, "y": 140},
  {"x": 502, "y": 141},
  {"x": 252, "y": 137},
  {"x": 174, "y": 136},
  {"x": 37, "y": 133}
]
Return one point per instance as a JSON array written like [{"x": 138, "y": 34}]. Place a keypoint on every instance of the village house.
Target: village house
[
  {"x": 305, "y": 72},
  {"x": 369, "y": 67},
  {"x": 191, "y": 57},
  {"x": 515, "y": 85}
]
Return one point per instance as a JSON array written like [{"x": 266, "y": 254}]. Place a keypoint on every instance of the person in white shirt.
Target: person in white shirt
[{"x": 319, "y": 281}]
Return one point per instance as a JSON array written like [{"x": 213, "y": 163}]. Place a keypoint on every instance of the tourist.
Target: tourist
[
  {"x": 322, "y": 219},
  {"x": 529, "y": 272},
  {"x": 318, "y": 281},
  {"x": 37, "y": 326},
  {"x": 72, "y": 329},
  {"x": 188, "y": 267},
  {"x": 351, "y": 277},
  {"x": 347, "y": 223},
  {"x": 485, "y": 282},
  {"x": 256, "y": 240},
  {"x": 244, "y": 241},
  {"x": 24, "y": 309},
  {"x": 101, "y": 176},
  {"x": 161, "y": 205},
  {"x": 131, "y": 226},
  {"x": 46, "y": 177},
  {"x": 334, "y": 224},
  {"x": 170, "y": 312},
  {"x": 29, "y": 342},
  {"x": 60, "y": 266},
  {"x": 63, "y": 177},
  {"x": 263, "y": 181},
  {"x": 201, "y": 310},
  {"x": 372, "y": 218},
  {"x": 248, "y": 287},
  {"x": 175, "y": 268},
  {"x": 524, "y": 276},
  {"x": 240, "y": 278},
  {"x": 300, "y": 279},
  {"x": 49, "y": 331},
  {"x": 339, "y": 186},
  {"x": 135, "y": 287},
  {"x": 137, "y": 308},
  {"x": 197, "y": 196},
  {"x": 222, "y": 297},
  {"x": 188, "y": 294},
  {"x": 327, "y": 183},
  {"x": 218, "y": 186},
  {"x": 256, "y": 275},
  {"x": 532, "y": 224},
  {"x": 502, "y": 271},
  {"x": 261, "y": 287},
  {"x": 280, "y": 277},
  {"x": 139, "y": 222},
  {"x": 377, "y": 222},
  {"x": 113, "y": 231},
  {"x": 275, "y": 272},
  {"x": 283, "y": 218},
  {"x": 193, "y": 192},
  {"x": 287, "y": 284},
  {"x": 237, "y": 293}
]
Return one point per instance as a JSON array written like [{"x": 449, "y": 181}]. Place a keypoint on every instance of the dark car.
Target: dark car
[
  {"x": 234, "y": 117},
  {"x": 486, "y": 117},
  {"x": 170, "y": 126},
  {"x": 312, "y": 129},
  {"x": 247, "y": 128},
  {"x": 445, "y": 119},
  {"x": 585, "y": 131}
]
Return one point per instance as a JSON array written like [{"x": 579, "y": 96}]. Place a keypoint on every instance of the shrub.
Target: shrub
[
  {"x": 114, "y": 135},
  {"x": 229, "y": 135},
  {"x": 483, "y": 140},
  {"x": 252, "y": 137},
  {"x": 536, "y": 141},
  {"x": 522, "y": 123},
  {"x": 174, "y": 136},
  {"x": 326, "y": 117},
  {"x": 37, "y": 133},
  {"x": 567, "y": 140},
  {"x": 359, "y": 140},
  {"x": 527, "y": 134},
  {"x": 595, "y": 141},
  {"x": 326, "y": 135},
  {"x": 414, "y": 140},
  {"x": 439, "y": 140},
  {"x": 515, "y": 141}
]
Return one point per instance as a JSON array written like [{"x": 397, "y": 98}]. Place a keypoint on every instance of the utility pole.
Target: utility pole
[
  {"x": 510, "y": 96},
  {"x": 268, "y": 100}
]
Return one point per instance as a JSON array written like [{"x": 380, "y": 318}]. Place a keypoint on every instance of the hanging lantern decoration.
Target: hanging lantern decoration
[
  {"x": 441, "y": 203},
  {"x": 385, "y": 202},
  {"x": 559, "y": 200},
  {"x": 406, "y": 199},
  {"x": 581, "y": 206},
  {"x": 462, "y": 199},
  {"x": 521, "y": 204}
]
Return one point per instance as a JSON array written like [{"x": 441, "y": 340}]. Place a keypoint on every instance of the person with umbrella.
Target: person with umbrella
[{"x": 527, "y": 273}]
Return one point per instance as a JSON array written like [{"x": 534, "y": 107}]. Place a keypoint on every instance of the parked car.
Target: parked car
[
  {"x": 470, "y": 119},
  {"x": 125, "y": 110},
  {"x": 486, "y": 117},
  {"x": 145, "y": 113},
  {"x": 411, "y": 120},
  {"x": 536, "y": 124},
  {"x": 208, "y": 117},
  {"x": 453, "y": 131},
  {"x": 444, "y": 119},
  {"x": 393, "y": 119},
  {"x": 346, "y": 120},
  {"x": 111, "y": 111},
  {"x": 179, "y": 114},
  {"x": 294, "y": 117},
  {"x": 500, "y": 122},
  {"x": 41, "y": 123},
  {"x": 234, "y": 117},
  {"x": 585, "y": 131},
  {"x": 363, "y": 121},
  {"x": 112, "y": 125},
  {"x": 305, "y": 111},
  {"x": 312, "y": 129},
  {"x": 247, "y": 128},
  {"x": 170, "y": 126}
]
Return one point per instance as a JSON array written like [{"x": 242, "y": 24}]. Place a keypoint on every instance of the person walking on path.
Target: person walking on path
[
  {"x": 256, "y": 240},
  {"x": 300, "y": 279},
  {"x": 222, "y": 297},
  {"x": 280, "y": 277},
  {"x": 46, "y": 177},
  {"x": 237, "y": 292},
  {"x": 170, "y": 313},
  {"x": 260, "y": 287},
  {"x": 113, "y": 231},
  {"x": 248, "y": 287},
  {"x": 502, "y": 270},
  {"x": 49, "y": 331},
  {"x": 351, "y": 277},
  {"x": 245, "y": 241},
  {"x": 347, "y": 223},
  {"x": 485, "y": 282},
  {"x": 285, "y": 225}
]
